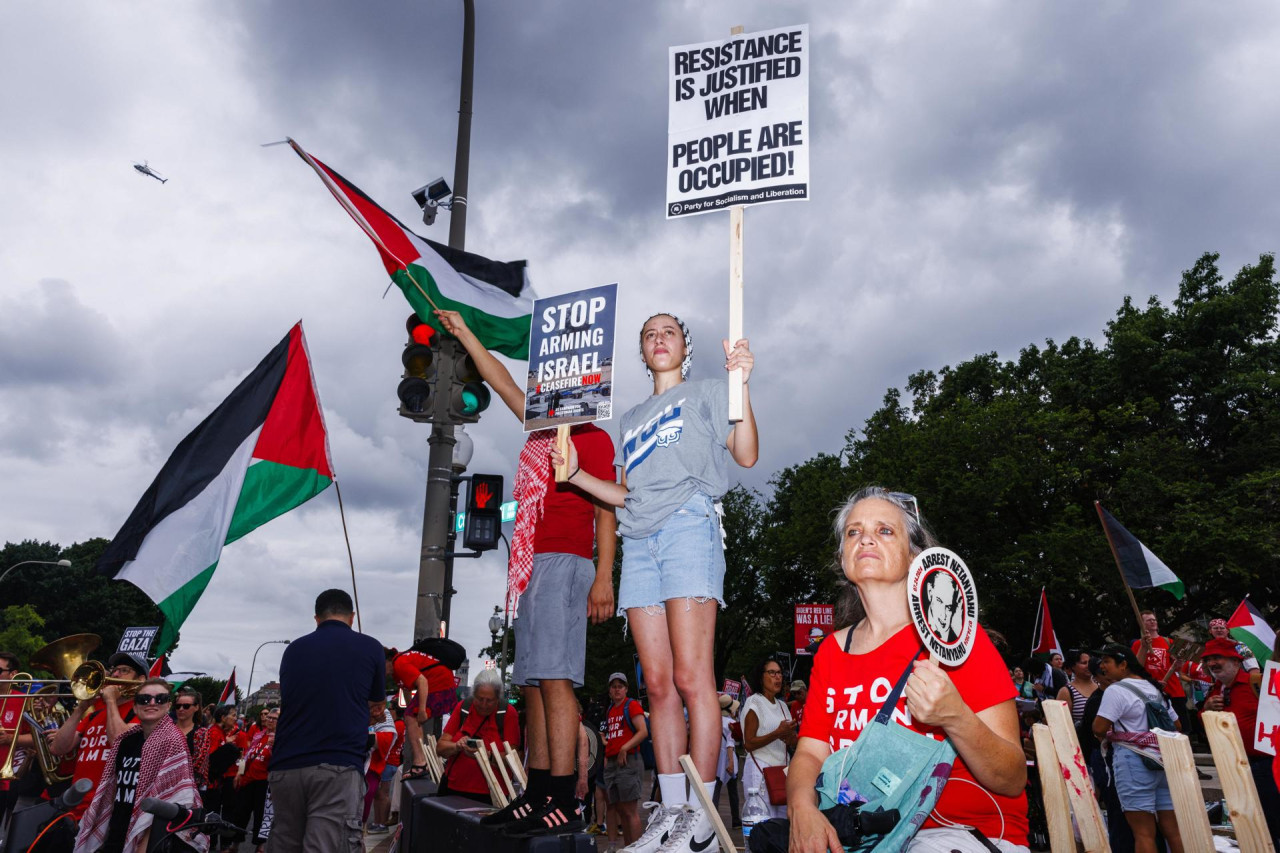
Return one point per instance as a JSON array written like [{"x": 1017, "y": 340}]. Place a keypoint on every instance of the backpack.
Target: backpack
[
  {"x": 1157, "y": 718},
  {"x": 500, "y": 717},
  {"x": 448, "y": 652},
  {"x": 646, "y": 745}
]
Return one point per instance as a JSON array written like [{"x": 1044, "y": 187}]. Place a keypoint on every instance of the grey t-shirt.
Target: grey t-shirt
[{"x": 673, "y": 447}]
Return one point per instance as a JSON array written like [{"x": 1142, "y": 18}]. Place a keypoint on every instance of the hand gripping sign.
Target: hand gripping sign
[{"x": 944, "y": 604}]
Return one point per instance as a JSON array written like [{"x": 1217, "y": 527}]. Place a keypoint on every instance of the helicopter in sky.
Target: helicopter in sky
[{"x": 143, "y": 169}]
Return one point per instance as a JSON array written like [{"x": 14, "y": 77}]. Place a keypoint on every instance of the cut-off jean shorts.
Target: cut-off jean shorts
[{"x": 683, "y": 559}]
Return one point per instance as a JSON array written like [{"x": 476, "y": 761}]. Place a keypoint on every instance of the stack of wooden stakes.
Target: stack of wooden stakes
[
  {"x": 1068, "y": 790},
  {"x": 504, "y": 786}
]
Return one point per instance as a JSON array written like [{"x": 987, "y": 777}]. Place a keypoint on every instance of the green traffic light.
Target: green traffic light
[{"x": 475, "y": 398}]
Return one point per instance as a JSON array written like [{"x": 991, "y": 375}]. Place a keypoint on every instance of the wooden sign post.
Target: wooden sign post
[
  {"x": 1076, "y": 776},
  {"x": 502, "y": 769},
  {"x": 1184, "y": 788},
  {"x": 517, "y": 768},
  {"x": 1237, "y": 782},
  {"x": 695, "y": 785},
  {"x": 1057, "y": 806},
  {"x": 737, "y": 214}
]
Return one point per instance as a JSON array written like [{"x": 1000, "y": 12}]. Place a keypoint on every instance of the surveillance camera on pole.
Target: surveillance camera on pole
[{"x": 431, "y": 197}]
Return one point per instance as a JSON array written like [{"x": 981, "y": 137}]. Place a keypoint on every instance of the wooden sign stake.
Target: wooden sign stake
[
  {"x": 1076, "y": 776},
  {"x": 736, "y": 215},
  {"x": 1184, "y": 788},
  {"x": 502, "y": 769},
  {"x": 495, "y": 790},
  {"x": 1237, "y": 782},
  {"x": 695, "y": 785},
  {"x": 1057, "y": 806},
  {"x": 517, "y": 767},
  {"x": 562, "y": 445}
]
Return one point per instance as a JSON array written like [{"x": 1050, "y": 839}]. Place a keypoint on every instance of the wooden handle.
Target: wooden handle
[
  {"x": 1057, "y": 806},
  {"x": 695, "y": 785},
  {"x": 1237, "y": 781},
  {"x": 1076, "y": 776},
  {"x": 562, "y": 445},
  {"x": 1184, "y": 788}
]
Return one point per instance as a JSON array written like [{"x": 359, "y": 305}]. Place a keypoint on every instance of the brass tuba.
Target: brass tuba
[{"x": 46, "y": 715}]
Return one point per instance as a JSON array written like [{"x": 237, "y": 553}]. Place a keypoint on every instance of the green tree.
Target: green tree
[{"x": 18, "y": 629}]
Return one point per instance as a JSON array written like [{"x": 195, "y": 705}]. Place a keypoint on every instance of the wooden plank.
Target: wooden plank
[
  {"x": 1057, "y": 806},
  {"x": 695, "y": 785},
  {"x": 495, "y": 790},
  {"x": 517, "y": 766},
  {"x": 1237, "y": 782},
  {"x": 435, "y": 764},
  {"x": 1184, "y": 787},
  {"x": 736, "y": 216},
  {"x": 562, "y": 445},
  {"x": 502, "y": 769},
  {"x": 1075, "y": 775}
]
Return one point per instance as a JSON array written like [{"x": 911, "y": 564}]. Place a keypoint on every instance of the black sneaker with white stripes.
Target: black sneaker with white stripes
[
  {"x": 521, "y": 807},
  {"x": 551, "y": 819}
]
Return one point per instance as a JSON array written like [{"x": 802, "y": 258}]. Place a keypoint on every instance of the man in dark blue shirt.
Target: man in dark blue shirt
[{"x": 328, "y": 680}]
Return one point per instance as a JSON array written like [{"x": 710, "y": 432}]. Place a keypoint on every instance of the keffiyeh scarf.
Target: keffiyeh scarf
[{"x": 533, "y": 478}]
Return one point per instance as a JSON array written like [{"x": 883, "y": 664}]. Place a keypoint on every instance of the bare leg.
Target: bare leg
[
  {"x": 414, "y": 731},
  {"x": 535, "y": 722},
  {"x": 630, "y": 821},
  {"x": 1169, "y": 827},
  {"x": 1143, "y": 825},
  {"x": 561, "y": 709},
  {"x": 649, "y": 630},
  {"x": 692, "y": 627}
]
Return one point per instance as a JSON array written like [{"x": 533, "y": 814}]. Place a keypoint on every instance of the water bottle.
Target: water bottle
[{"x": 754, "y": 811}]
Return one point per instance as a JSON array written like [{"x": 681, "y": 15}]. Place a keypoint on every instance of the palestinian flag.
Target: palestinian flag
[
  {"x": 493, "y": 297},
  {"x": 261, "y": 453},
  {"x": 1141, "y": 568},
  {"x": 229, "y": 691},
  {"x": 1248, "y": 627},
  {"x": 1044, "y": 640},
  {"x": 157, "y": 668}
]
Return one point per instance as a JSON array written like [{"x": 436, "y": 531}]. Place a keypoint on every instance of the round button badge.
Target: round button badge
[{"x": 944, "y": 604}]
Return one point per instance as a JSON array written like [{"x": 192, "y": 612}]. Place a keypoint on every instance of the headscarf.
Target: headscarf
[
  {"x": 533, "y": 477},
  {"x": 164, "y": 773},
  {"x": 688, "y": 345}
]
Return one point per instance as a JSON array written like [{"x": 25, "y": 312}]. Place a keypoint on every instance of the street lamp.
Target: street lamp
[
  {"x": 249, "y": 691},
  {"x": 498, "y": 622},
  {"x": 66, "y": 564}
]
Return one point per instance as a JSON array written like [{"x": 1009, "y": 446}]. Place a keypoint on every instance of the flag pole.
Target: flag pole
[
  {"x": 1137, "y": 614},
  {"x": 350, "y": 559}
]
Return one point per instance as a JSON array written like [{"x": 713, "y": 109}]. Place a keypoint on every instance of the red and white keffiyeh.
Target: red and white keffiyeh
[
  {"x": 164, "y": 773},
  {"x": 533, "y": 478}
]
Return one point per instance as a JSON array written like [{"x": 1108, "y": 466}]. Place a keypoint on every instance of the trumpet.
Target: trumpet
[{"x": 68, "y": 658}]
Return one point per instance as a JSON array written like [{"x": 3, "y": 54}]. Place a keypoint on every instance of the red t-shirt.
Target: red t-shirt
[
  {"x": 91, "y": 755},
  {"x": 618, "y": 730},
  {"x": 258, "y": 756},
  {"x": 217, "y": 737},
  {"x": 398, "y": 752},
  {"x": 1158, "y": 662},
  {"x": 847, "y": 690},
  {"x": 1243, "y": 702},
  {"x": 568, "y": 522},
  {"x": 10, "y": 718},
  {"x": 384, "y": 743},
  {"x": 407, "y": 666},
  {"x": 463, "y": 770}
]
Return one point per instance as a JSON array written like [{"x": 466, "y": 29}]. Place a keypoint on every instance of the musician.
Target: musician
[
  {"x": 11, "y": 703},
  {"x": 95, "y": 724}
]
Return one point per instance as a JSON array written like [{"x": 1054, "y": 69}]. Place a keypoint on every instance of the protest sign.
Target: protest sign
[
  {"x": 1266, "y": 736},
  {"x": 731, "y": 688},
  {"x": 570, "y": 377},
  {"x": 812, "y": 623},
  {"x": 738, "y": 121},
  {"x": 137, "y": 641},
  {"x": 943, "y": 602}
]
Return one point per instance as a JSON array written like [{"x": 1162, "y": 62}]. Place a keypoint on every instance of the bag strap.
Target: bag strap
[{"x": 886, "y": 710}]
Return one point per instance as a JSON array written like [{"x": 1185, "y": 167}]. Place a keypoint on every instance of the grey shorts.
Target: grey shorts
[
  {"x": 622, "y": 784},
  {"x": 551, "y": 625}
]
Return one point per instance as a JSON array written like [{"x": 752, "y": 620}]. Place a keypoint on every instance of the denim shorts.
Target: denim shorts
[
  {"x": 1139, "y": 788},
  {"x": 683, "y": 559}
]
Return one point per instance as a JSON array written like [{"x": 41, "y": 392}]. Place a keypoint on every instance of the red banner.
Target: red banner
[{"x": 813, "y": 622}]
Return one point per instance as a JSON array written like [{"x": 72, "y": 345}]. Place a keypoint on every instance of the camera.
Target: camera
[{"x": 431, "y": 197}]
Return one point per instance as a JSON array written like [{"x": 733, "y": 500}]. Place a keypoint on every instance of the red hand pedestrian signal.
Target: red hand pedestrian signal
[
  {"x": 483, "y": 495},
  {"x": 483, "y": 526}
]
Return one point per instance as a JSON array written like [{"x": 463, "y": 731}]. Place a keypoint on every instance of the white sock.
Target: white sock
[
  {"x": 672, "y": 786},
  {"x": 710, "y": 788}
]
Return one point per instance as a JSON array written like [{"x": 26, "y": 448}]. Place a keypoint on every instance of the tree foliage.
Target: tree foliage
[{"x": 18, "y": 628}]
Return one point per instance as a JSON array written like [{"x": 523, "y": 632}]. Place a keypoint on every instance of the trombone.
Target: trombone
[{"x": 68, "y": 658}]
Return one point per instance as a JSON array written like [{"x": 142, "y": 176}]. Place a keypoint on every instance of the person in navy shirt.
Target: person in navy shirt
[{"x": 328, "y": 681}]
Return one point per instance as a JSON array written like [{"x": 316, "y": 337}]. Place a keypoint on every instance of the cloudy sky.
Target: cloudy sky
[{"x": 985, "y": 175}]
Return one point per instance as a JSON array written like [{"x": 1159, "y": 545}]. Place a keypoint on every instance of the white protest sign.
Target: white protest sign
[
  {"x": 1266, "y": 736},
  {"x": 137, "y": 641},
  {"x": 738, "y": 121},
  {"x": 570, "y": 377},
  {"x": 944, "y": 604}
]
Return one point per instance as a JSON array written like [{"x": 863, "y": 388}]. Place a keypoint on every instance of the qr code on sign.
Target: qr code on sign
[{"x": 604, "y": 409}]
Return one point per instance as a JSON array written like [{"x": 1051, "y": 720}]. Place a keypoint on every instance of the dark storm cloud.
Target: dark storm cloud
[{"x": 51, "y": 338}]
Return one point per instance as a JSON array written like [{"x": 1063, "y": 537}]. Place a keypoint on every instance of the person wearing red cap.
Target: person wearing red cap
[{"x": 1232, "y": 693}]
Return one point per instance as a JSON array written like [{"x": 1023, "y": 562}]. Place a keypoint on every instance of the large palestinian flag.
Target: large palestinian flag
[
  {"x": 1247, "y": 626},
  {"x": 1141, "y": 568},
  {"x": 261, "y": 453},
  {"x": 493, "y": 297}
]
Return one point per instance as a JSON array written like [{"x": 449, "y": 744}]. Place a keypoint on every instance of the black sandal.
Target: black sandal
[{"x": 417, "y": 771}]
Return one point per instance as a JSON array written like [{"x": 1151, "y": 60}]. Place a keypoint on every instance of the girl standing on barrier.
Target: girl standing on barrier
[{"x": 674, "y": 453}]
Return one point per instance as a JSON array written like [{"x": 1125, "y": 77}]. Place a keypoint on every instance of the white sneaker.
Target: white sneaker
[
  {"x": 693, "y": 833},
  {"x": 662, "y": 820}
]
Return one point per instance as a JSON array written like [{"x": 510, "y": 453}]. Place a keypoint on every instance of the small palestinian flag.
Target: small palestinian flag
[
  {"x": 261, "y": 453},
  {"x": 1248, "y": 627},
  {"x": 493, "y": 297},
  {"x": 229, "y": 692},
  {"x": 1141, "y": 568},
  {"x": 157, "y": 668},
  {"x": 1044, "y": 640}
]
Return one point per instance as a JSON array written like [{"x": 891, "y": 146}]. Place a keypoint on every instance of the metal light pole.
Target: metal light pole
[
  {"x": 66, "y": 564},
  {"x": 435, "y": 567},
  {"x": 249, "y": 691}
]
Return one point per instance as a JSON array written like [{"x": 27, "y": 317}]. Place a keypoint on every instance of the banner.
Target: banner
[
  {"x": 1267, "y": 736},
  {"x": 738, "y": 121},
  {"x": 812, "y": 622},
  {"x": 137, "y": 641},
  {"x": 570, "y": 377}
]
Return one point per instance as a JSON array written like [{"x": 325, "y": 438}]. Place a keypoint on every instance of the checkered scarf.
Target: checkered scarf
[
  {"x": 533, "y": 478},
  {"x": 164, "y": 773}
]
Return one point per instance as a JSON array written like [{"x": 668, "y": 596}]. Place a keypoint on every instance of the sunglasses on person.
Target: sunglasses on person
[
  {"x": 145, "y": 699},
  {"x": 905, "y": 498},
  {"x": 183, "y": 705}
]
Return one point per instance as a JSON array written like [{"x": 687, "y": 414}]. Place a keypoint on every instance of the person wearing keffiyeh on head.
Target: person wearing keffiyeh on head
[{"x": 556, "y": 588}]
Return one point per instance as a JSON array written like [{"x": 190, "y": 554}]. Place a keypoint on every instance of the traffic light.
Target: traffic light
[
  {"x": 484, "y": 512},
  {"x": 468, "y": 395},
  {"x": 421, "y": 360}
]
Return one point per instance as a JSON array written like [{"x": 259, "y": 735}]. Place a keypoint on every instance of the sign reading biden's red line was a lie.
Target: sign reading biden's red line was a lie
[{"x": 738, "y": 121}]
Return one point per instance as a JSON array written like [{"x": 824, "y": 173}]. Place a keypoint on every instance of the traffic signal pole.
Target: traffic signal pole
[{"x": 435, "y": 567}]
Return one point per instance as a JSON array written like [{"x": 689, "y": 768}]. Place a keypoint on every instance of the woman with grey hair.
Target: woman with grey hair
[
  {"x": 879, "y": 533},
  {"x": 473, "y": 725}
]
